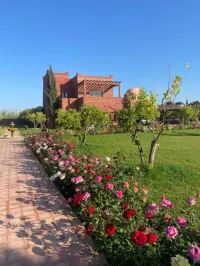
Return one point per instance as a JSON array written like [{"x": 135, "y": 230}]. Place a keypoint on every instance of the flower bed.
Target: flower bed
[{"x": 107, "y": 197}]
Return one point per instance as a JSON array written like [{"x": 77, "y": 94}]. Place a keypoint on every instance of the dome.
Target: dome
[
  {"x": 133, "y": 90},
  {"x": 126, "y": 99}
]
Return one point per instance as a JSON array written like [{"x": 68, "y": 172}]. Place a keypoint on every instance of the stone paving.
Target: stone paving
[{"x": 37, "y": 226}]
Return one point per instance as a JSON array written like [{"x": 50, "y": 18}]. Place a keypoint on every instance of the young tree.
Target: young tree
[
  {"x": 144, "y": 108},
  {"x": 51, "y": 93},
  {"x": 141, "y": 109},
  {"x": 69, "y": 119},
  {"x": 91, "y": 116},
  {"x": 186, "y": 113},
  {"x": 36, "y": 119}
]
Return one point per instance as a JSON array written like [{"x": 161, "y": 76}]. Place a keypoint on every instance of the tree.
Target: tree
[
  {"x": 186, "y": 113},
  {"x": 69, "y": 119},
  {"x": 91, "y": 117},
  {"x": 141, "y": 109},
  {"x": 36, "y": 119},
  {"x": 35, "y": 115},
  {"x": 51, "y": 93},
  {"x": 196, "y": 107}
]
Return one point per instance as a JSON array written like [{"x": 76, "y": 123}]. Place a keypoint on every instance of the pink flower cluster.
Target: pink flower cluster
[
  {"x": 77, "y": 179},
  {"x": 194, "y": 253},
  {"x": 166, "y": 203}
]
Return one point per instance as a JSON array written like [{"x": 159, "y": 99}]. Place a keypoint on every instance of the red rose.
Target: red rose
[
  {"x": 110, "y": 229},
  {"x": 149, "y": 215},
  {"x": 77, "y": 170},
  {"x": 125, "y": 206},
  {"x": 129, "y": 213},
  {"x": 91, "y": 209},
  {"x": 109, "y": 166},
  {"x": 108, "y": 177},
  {"x": 87, "y": 180},
  {"x": 89, "y": 228},
  {"x": 77, "y": 198},
  {"x": 89, "y": 166},
  {"x": 152, "y": 238},
  {"x": 139, "y": 238},
  {"x": 71, "y": 146}
]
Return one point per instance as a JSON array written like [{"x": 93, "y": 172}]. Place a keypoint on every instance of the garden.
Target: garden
[
  {"x": 111, "y": 199},
  {"x": 135, "y": 191}
]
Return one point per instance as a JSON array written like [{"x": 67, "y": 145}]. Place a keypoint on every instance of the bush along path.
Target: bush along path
[{"x": 107, "y": 197}]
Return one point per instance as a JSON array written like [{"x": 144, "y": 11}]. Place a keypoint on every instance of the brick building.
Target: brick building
[{"x": 90, "y": 90}]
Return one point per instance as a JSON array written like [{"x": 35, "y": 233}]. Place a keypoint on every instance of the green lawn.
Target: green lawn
[
  {"x": 2, "y": 131},
  {"x": 177, "y": 166}
]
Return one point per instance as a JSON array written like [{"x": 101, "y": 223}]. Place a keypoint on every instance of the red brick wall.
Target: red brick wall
[
  {"x": 107, "y": 104},
  {"x": 75, "y": 94}
]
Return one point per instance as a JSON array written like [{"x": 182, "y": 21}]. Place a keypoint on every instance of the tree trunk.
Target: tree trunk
[
  {"x": 84, "y": 138},
  {"x": 152, "y": 152},
  {"x": 136, "y": 140},
  {"x": 141, "y": 155}
]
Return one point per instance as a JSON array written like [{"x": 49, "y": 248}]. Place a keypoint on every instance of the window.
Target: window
[
  {"x": 95, "y": 93},
  {"x": 64, "y": 94}
]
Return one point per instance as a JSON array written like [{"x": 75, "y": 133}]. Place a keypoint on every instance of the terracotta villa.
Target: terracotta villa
[{"x": 79, "y": 90}]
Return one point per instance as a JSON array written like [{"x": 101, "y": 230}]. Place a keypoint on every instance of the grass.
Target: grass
[
  {"x": 2, "y": 131},
  {"x": 177, "y": 166}
]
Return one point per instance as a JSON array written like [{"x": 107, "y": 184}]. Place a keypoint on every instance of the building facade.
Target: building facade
[{"x": 81, "y": 89}]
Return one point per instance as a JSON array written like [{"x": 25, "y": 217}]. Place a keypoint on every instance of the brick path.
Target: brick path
[{"x": 37, "y": 227}]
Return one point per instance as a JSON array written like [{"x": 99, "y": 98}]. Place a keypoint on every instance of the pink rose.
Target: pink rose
[
  {"x": 61, "y": 152},
  {"x": 126, "y": 184},
  {"x": 86, "y": 196},
  {"x": 145, "y": 191},
  {"x": 191, "y": 201},
  {"x": 92, "y": 172},
  {"x": 72, "y": 170},
  {"x": 171, "y": 232},
  {"x": 66, "y": 163},
  {"x": 166, "y": 203},
  {"x": 69, "y": 200},
  {"x": 153, "y": 207},
  {"x": 109, "y": 186},
  {"x": 182, "y": 222},
  {"x": 194, "y": 253},
  {"x": 119, "y": 194},
  {"x": 98, "y": 179},
  {"x": 78, "y": 179},
  {"x": 55, "y": 157}
]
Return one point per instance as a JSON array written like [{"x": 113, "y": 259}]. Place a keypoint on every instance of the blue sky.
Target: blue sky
[{"x": 134, "y": 40}]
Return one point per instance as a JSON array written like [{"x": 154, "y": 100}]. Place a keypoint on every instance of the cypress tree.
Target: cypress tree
[{"x": 51, "y": 93}]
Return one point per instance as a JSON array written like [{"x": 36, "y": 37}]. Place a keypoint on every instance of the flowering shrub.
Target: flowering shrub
[{"x": 108, "y": 199}]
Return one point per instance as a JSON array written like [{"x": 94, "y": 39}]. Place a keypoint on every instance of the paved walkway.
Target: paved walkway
[{"x": 37, "y": 226}]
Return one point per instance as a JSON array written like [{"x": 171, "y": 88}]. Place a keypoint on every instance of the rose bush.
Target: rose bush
[{"x": 108, "y": 199}]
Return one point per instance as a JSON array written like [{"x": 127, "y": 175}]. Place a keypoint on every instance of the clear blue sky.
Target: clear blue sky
[{"x": 134, "y": 40}]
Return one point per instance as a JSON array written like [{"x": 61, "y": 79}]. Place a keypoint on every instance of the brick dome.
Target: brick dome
[
  {"x": 133, "y": 90},
  {"x": 126, "y": 99}
]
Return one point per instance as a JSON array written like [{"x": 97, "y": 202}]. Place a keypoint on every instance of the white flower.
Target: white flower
[
  {"x": 61, "y": 163},
  {"x": 62, "y": 176},
  {"x": 108, "y": 159},
  {"x": 179, "y": 261},
  {"x": 38, "y": 150},
  {"x": 58, "y": 174},
  {"x": 53, "y": 177}
]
